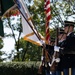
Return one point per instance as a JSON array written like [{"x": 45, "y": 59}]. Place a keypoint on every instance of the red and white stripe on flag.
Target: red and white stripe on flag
[{"x": 48, "y": 16}]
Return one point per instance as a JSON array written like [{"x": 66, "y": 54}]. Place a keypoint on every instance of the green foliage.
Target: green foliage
[
  {"x": 1, "y": 43},
  {"x": 34, "y": 53},
  {"x": 22, "y": 68},
  {"x": 1, "y": 52},
  {"x": 38, "y": 16},
  {"x": 53, "y": 33},
  {"x": 60, "y": 11},
  {"x": 27, "y": 51}
]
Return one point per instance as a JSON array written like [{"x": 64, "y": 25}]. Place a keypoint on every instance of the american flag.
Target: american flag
[{"x": 48, "y": 16}]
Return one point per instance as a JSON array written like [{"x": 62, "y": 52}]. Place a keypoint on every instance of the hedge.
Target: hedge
[{"x": 19, "y": 68}]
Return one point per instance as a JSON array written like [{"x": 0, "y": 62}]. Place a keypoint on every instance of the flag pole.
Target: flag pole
[{"x": 54, "y": 64}]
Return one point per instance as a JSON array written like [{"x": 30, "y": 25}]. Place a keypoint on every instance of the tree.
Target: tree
[
  {"x": 8, "y": 23},
  {"x": 28, "y": 51},
  {"x": 1, "y": 43},
  {"x": 60, "y": 11},
  {"x": 1, "y": 52}
]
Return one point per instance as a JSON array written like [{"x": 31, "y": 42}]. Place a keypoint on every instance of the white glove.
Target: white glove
[
  {"x": 42, "y": 57},
  {"x": 57, "y": 60},
  {"x": 56, "y": 48}
]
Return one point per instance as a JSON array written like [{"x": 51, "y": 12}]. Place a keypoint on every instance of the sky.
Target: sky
[
  {"x": 9, "y": 44},
  {"x": 8, "y": 41}
]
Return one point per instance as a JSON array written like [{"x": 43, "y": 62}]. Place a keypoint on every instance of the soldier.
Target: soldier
[
  {"x": 68, "y": 58},
  {"x": 67, "y": 48},
  {"x": 52, "y": 48},
  {"x": 67, "y": 51},
  {"x": 45, "y": 68},
  {"x": 61, "y": 39}
]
